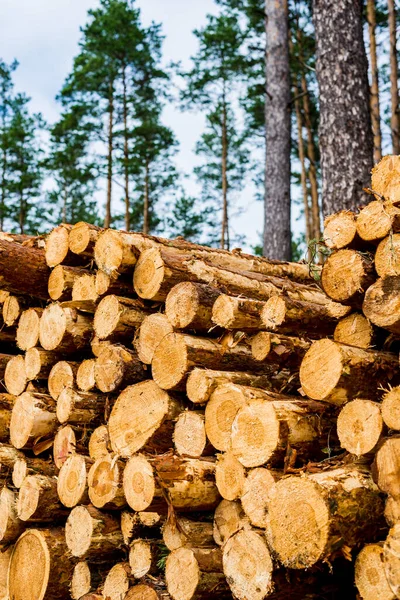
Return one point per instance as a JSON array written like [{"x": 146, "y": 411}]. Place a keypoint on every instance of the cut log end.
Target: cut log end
[
  {"x": 152, "y": 330},
  {"x": 15, "y": 378},
  {"x": 31, "y": 418},
  {"x": 141, "y": 592},
  {"x": 140, "y": 558},
  {"x": 11, "y": 311},
  {"x": 81, "y": 580},
  {"x": 261, "y": 345},
  {"x": 229, "y": 518},
  {"x": 149, "y": 275},
  {"x": 387, "y": 256},
  {"x": 189, "y": 306},
  {"x": 230, "y": 476},
  {"x": 391, "y": 552},
  {"x": 72, "y": 481},
  {"x": 359, "y": 426},
  {"x": 116, "y": 584},
  {"x": 99, "y": 443},
  {"x": 105, "y": 483},
  {"x": 182, "y": 574},
  {"x": 392, "y": 511},
  {"x": 57, "y": 246},
  {"x": 81, "y": 238},
  {"x": 61, "y": 376},
  {"x": 117, "y": 365},
  {"x": 376, "y": 220},
  {"x": 139, "y": 483},
  {"x": 170, "y": 362},
  {"x": 387, "y": 466},
  {"x": 256, "y": 492},
  {"x": 382, "y": 304},
  {"x": 391, "y": 408},
  {"x": 369, "y": 574},
  {"x": 28, "y": 328},
  {"x": 340, "y": 229},
  {"x": 85, "y": 379},
  {"x": 220, "y": 413},
  {"x": 190, "y": 434},
  {"x": 346, "y": 275},
  {"x": 385, "y": 178},
  {"x": 79, "y": 531},
  {"x": 84, "y": 288},
  {"x": 113, "y": 253},
  {"x": 354, "y": 330},
  {"x": 64, "y": 445},
  {"x": 321, "y": 369}
]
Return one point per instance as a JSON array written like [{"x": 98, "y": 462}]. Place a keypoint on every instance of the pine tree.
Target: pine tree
[
  {"x": 394, "y": 76},
  {"x": 188, "y": 220},
  {"x": 6, "y": 96}
]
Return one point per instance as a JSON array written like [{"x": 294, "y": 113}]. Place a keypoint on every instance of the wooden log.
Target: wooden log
[
  {"x": 84, "y": 289},
  {"x": 386, "y": 467},
  {"x": 39, "y": 566},
  {"x": 360, "y": 426},
  {"x": 387, "y": 256},
  {"x": 143, "y": 557},
  {"x": 23, "y": 270},
  {"x": 39, "y": 363},
  {"x": 81, "y": 580},
  {"x": 98, "y": 345},
  {"x": 15, "y": 378},
  {"x": 243, "y": 314},
  {"x": 340, "y": 230},
  {"x": 377, "y": 220},
  {"x": 117, "y": 318},
  {"x": 346, "y": 275},
  {"x": 33, "y": 417},
  {"x": 7, "y": 402},
  {"x": 201, "y": 383},
  {"x": 61, "y": 282},
  {"x": 65, "y": 444},
  {"x": 256, "y": 491},
  {"x": 190, "y": 577},
  {"x": 81, "y": 408},
  {"x": 385, "y": 178},
  {"x": 248, "y": 566},
  {"x": 12, "y": 309},
  {"x": 38, "y": 500},
  {"x": 72, "y": 485},
  {"x": 61, "y": 376},
  {"x": 190, "y": 435},
  {"x": 142, "y": 592},
  {"x": 391, "y": 560},
  {"x": 105, "y": 483},
  {"x": 182, "y": 531},
  {"x": 8, "y": 456},
  {"x": 85, "y": 379},
  {"x": 392, "y": 511},
  {"x": 115, "y": 253},
  {"x": 313, "y": 516},
  {"x": 26, "y": 465},
  {"x": 142, "y": 418},
  {"x": 141, "y": 490},
  {"x": 382, "y": 304},
  {"x": 229, "y": 518},
  {"x": 140, "y": 524},
  {"x": 190, "y": 306},
  {"x": 116, "y": 366},
  {"x": 338, "y": 373},
  {"x": 5, "y": 557},
  {"x": 28, "y": 328},
  {"x": 116, "y": 583},
  {"x": 278, "y": 349},
  {"x": 230, "y": 476},
  {"x": 150, "y": 333},
  {"x": 390, "y": 408},
  {"x": 91, "y": 534},
  {"x": 99, "y": 443},
  {"x": 369, "y": 574},
  {"x": 64, "y": 329},
  {"x": 82, "y": 238},
  {"x": 4, "y": 360},
  {"x": 220, "y": 413},
  {"x": 11, "y": 525},
  {"x": 354, "y": 330},
  {"x": 57, "y": 248},
  {"x": 106, "y": 284}
]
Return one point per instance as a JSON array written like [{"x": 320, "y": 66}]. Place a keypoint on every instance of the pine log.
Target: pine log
[
  {"x": 190, "y": 306},
  {"x": 354, "y": 330},
  {"x": 12, "y": 309},
  {"x": 390, "y": 408},
  {"x": 382, "y": 304},
  {"x": 39, "y": 363},
  {"x": 201, "y": 383},
  {"x": 5, "y": 557},
  {"x": 61, "y": 376},
  {"x": 313, "y": 516},
  {"x": 99, "y": 443},
  {"x": 243, "y": 314},
  {"x": 106, "y": 284},
  {"x": 340, "y": 230},
  {"x": 98, "y": 345},
  {"x": 143, "y": 592},
  {"x": 116, "y": 583},
  {"x": 181, "y": 531},
  {"x": 38, "y": 500},
  {"x": 117, "y": 367},
  {"x": 115, "y": 253},
  {"x": 82, "y": 238},
  {"x": 377, "y": 220},
  {"x": 116, "y": 318},
  {"x": 360, "y": 426},
  {"x": 65, "y": 444},
  {"x": 23, "y": 270},
  {"x": 387, "y": 256},
  {"x": 33, "y": 417},
  {"x": 7, "y": 402},
  {"x": 11, "y": 525},
  {"x": 92, "y": 534},
  {"x": 338, "y": 373},
  {"x": 256, "y": 492},
  {"x": 190, "y": 435},
  {"x": 220, "y": 413},
  {"x": 28, "y": 328},
  {"x": 64, "y": 329},
  {"x": 141, "y": 418},
  {"x": 81, "y": 583},
  {"x": 25, "y": 466},
  {"x": 229, "y": 518},
  {"x": 15, "y": 378},
  {"x": 248, "y": 565},
  {"x": 346, "y": 275},
  {"x": 72, "y": 486},
  {"x": 391, "y": 560},
  {"x": 141, "y": 490},
  {"x": 84, "y": 289},
  {"x": 105, "y": 483},
  {"x": 278, "y": 349},
  {"x": 143, "y": 557},
  {"x": 369, "y": 574},
  {"x": 230, "y": 476},
  {"x": 61, "y": 282},
  {"x": 57, "y": 248},
  {"x": 386, "y": 467},
  {"x": 392, "y": 511},
  {"x": 150, "y": 333},
  {"x": 140, "y": 524},
  {"x": 189, "y": 577},
  {"x": 39, "y": 567},
  {"x": 385, "y": 178},
  {"x": 8, "y": 456},
  {"x": 4, "y": 360},
  {"x": 85, "y": 379},
  {"x": 81, "y": 408}
]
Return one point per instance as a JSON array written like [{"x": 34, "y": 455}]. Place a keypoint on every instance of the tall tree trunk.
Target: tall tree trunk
[
  {"x": 126, "y": 152},
  {"x": 303, "y": 176},
  {"x": 3, "y": 189},
  {"x": 374, "y": 98},
  {"x": 394, "y": 72},
  {"x": 345, "y": 132},
  {"x": 107, "y": 219},
  {"x": 146, "y": 203},
  {"x": 225, "y": 221},
  {"x": 21, "y": 211},
  {"x": 277, "y": 237},
  {"x": 64, "y": 209}
]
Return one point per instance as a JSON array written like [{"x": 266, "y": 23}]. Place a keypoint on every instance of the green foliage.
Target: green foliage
[
  {"x": 6, "y": 115},
  {"x": 189, "y": 218}
]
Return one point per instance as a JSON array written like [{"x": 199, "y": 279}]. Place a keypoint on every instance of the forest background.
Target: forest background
[{"x": 164, "y": 135}]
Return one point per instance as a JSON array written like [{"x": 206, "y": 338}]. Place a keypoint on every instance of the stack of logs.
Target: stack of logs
[{"x": 219, "y": 426}]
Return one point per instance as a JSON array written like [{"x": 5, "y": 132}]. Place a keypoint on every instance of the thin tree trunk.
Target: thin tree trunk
[
  {"x": 277, "y": 236},
  {"x": 345, "y": 132},
  {"x": 64, "y": 210},
  {"x": 303, "y": 176},
  {"x": 146, "y": 202},
  {"x": 21, "y": 200},
  {"x": 126, "y": 153},
  {"x": 107, "y": 219},
  {"x": 225, "y": 222},
  {"x": 394, "y": 72},
  {"x": 3, "y": 172},
  {"x": 374, "y": 97}
]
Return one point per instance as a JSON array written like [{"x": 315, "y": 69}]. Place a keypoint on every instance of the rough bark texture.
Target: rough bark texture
[
  {"x": 374, "y": 101},
  {"x": 394, "y": 75},
  {"x": 23, "y": 270},
  {"x": 345, "y": 123},
  {"x": 277, "y": 239}
]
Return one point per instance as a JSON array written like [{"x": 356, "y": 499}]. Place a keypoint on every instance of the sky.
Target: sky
[{"x": 43, "y": 36}]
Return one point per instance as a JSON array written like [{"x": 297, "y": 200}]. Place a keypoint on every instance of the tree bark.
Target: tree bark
[
  {"x": 146, "y": 201},
  {"x": 374, "y": 90},
  {"x": 345, "y": 121},
  {"x": 126, "y": 152},
  {"x": 277, "y": 236},
  {"x": 224, "y": 171},
  {"x": 394, "y": 75},
  {"x": 23, "y": 270},
  {"x": 303, "y": 174},
  {"x": 107, "y": 218}
]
